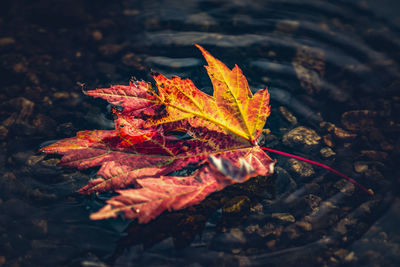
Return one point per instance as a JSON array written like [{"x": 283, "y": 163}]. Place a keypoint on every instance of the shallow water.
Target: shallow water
[{"x": 330, "y": 66}]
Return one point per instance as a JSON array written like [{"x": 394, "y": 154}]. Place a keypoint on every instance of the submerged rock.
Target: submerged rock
[
  {"x": 286, "y": 217},
  {"x": 301, "y": 168},
  {"x": 357, "y": 120},
  {"x": 237, "y": 206},
  {"x": 288, "y": 115},
  {"x": 337, "y": 131},
  {"x": 310, "y": 68},
  {"x": 302, "y": 137},
  {"x": 327, "y": 152}
]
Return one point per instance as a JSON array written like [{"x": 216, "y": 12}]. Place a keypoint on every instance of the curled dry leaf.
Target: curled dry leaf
[{"x": 143, "y": 148}]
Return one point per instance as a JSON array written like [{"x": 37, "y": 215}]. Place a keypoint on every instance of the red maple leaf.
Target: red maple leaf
[{"x": 142, "y": 149}]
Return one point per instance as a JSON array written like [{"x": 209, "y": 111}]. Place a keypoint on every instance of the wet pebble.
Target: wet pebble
[
  {"x": 304, "y": 225},
  {"x": 300, "y": 168},
  {"x": 337, "y": 131},
  {"x": 34, "y": 159},
  {"x": 357, "y": 120},
  {"x": 288, "y": 115},
  {"x": 97, "y": 35},
  {"x": 310, "y": 68},
  {"x": 344, "y": 187},
  {"x": 263, "y": 231},
  {"x": 237, "y": 206},
  {"x": 302, "y": 137},
  {"x": 328, "y": 140},
  {"x": 313, "y": 201},
  {"x": 327, "y": 152},
  {"x": 6, "y": 41},
  {"x": 286, "y": 217},
  {"x": 360, "y": 166},
  {"x": 292, "y": 232}
]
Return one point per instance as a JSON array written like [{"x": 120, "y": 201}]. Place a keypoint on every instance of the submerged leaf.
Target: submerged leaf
[{"x": 143, "y": 149}]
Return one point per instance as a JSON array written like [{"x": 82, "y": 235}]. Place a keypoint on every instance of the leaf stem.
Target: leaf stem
[{"x": 369, "y": 191}]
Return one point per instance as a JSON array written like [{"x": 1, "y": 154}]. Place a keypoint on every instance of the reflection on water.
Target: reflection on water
[{"x": 331, "y": 68}]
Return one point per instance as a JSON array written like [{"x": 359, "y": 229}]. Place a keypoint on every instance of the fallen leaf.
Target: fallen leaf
[{"x": 144, "y": 148}]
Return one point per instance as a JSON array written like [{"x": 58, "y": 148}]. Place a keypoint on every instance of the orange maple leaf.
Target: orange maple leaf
[{"x": 223, "y": 131}]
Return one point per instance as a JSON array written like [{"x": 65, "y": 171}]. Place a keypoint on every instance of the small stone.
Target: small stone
[
  {"x": 304, "y": 225},
  {"x": 131, "y": 12},
  {"x": 61, "y": 95},
  {"x": 309, "y": 64},
  {"x": 360, "y": 166},
  {"x": 2, "y": 260},
  {"x": 238, "y": 235},
  {"x": 328, "y": 140},
  {"x": 237, "y": 206},
  {"x": 357, "y": 120},
  {"x": 345, "y": 187},
  {"x": 236, "y": 251},
  {"x": 7, "y": 41},
  {"x": 292, "y": 232},
  {"x": 327, "y": 152},
  {"x": 33, "y": 160},
  {"x": 350, "y": 257},
  {"x": 313, "y": 201},
  {"x": 97, "y": 35},
  {"x": 337, "y": 131},
  {"x": 301, "y": 168},
  {"x": 252, "y": 229},
  {"x": 288, "y": 115},
  {"x": 258, "y": 209},
  {"x": 271, "y": 243},
  {"x": 341, "y": 253},
  {"x": 343, "y": 134},
  {"x": 286, "y": 217},
  {"x": 341, "y": 227},
  {"x": 20, "y": 67},
  {"x": 302, "y": 136}
]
